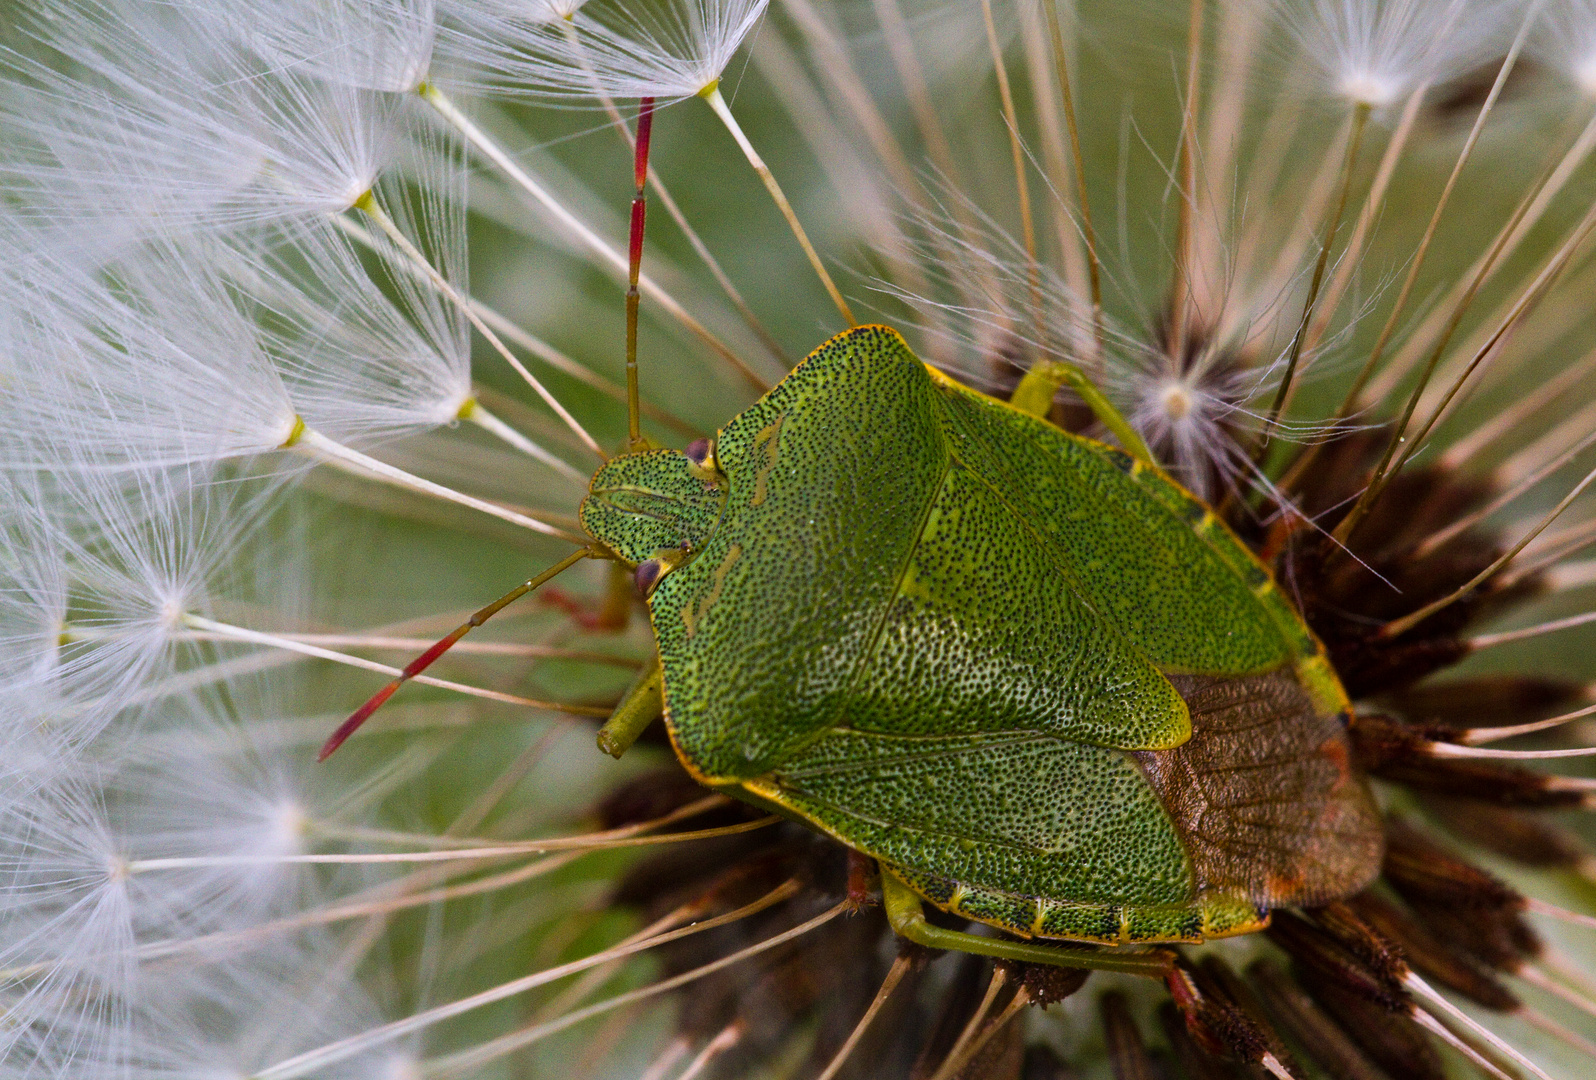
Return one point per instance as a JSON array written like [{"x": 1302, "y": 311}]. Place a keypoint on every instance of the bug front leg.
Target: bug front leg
[
  {"x": 908, "y": 921},
  {"x": 1035, "y": 393},
  {"x": 643, "y": 704},
  {"x": 612, "y": 614}
]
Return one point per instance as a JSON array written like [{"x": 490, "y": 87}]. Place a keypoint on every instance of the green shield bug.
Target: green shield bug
[{"x": 1027, "y": 673}]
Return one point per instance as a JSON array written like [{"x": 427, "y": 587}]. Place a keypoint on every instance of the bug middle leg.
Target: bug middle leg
[
  {"x": 643, "y": 704},
  {"x": 1035, "y": 396},
  {"x": 907, "y": 917}
]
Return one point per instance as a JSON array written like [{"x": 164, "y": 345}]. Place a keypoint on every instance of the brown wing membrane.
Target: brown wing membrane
[{"x": 1264, "y": 794}]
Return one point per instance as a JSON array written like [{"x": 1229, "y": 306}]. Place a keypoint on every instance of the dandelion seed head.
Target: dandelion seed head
[
  {"x": 381, "y": 45},
  {"x": 1372, "y": 52},
  {"x": 1175, "y": 398},
  {"x": 152, "y": 125},
  {"x": 170, "y": 320},
  {"x": 288, "y": 825},
  {"x": 668, "y": 51},
  {"x": 1369, "y": 88},
  {"x": 360, "y": 361},
  {"x": 211, "y": 1019},
  {"x": 114, "y": 561},
  {"x": 1564, "y": 38},
  {"x": 399, "y": 1066},
  {"x": 134, "y": 372},
  {"x": 118, "y": 869},
  {"x": 170, "y": 612},
  {"x": 66, "y": 895}
]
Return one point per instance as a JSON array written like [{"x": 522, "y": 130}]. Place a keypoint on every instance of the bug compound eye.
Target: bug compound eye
[
  {"x": 646, "y": 576},
  {"x": 701, "y": 452}
]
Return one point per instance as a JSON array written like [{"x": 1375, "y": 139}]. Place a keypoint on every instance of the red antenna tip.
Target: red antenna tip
[{"x": 356, "y": 718}]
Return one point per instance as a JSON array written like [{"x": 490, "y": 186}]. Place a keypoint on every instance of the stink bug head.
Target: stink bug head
[{"x": 641, "y": 504}]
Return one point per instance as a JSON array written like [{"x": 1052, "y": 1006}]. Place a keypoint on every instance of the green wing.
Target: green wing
[
  {"x": 987, "y": 633},
  {"x": 1130, "y": 543},
  {"x": 1017, "y": 813}
]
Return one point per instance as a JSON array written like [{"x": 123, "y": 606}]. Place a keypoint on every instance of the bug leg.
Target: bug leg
[
  {"x": 908, "y": 921},
  {"x": 862, "y": 879},
  {"x": 643, "y": 704},
  {"x": 611, "y": 615},
  {"x": 1035, "y": 393}
]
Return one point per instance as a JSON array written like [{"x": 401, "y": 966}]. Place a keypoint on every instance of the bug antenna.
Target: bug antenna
[
  {"x": 645, "y": 131},
  {"x": 443, "y": 645}
]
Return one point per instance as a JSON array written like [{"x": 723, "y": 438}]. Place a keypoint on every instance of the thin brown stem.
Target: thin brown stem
[
  {"x": 1520, "y": 487},
  {"x": 900, "y": 43},
  {"x": 1373, "y": 202},
  {"x": 1407, "y": 622},
  {"x": 1532, "y": 206},
  {"x": 1358, "y": 121},
  {"x": 900, "y": 967},
  {"x": 1186, "y": 172},
  {"x": 381, "y": 901},
  {"x": 717, "y": 103},
  {"x": 468, "y": 1061},
  {"x": 1376, "y": 485},
  {"x": 1520, "y": 409},
  {"x": 314, "y": 1062},
  {"x": 1033, "y": 268},
  {"x": 1055, "y": 29},
  {"x": 956, "y": 1056},
  {"x": 1527, "y": 300},
  {"x": 957, "y": 1062}
]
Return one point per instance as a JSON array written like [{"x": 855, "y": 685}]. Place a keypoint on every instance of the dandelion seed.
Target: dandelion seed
[
  {"x": 97, "y": 577},
  {"x": 382, "y": 45},
  {"x": 139, "y": 371},
  {"x": 671, "y": 53}
]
